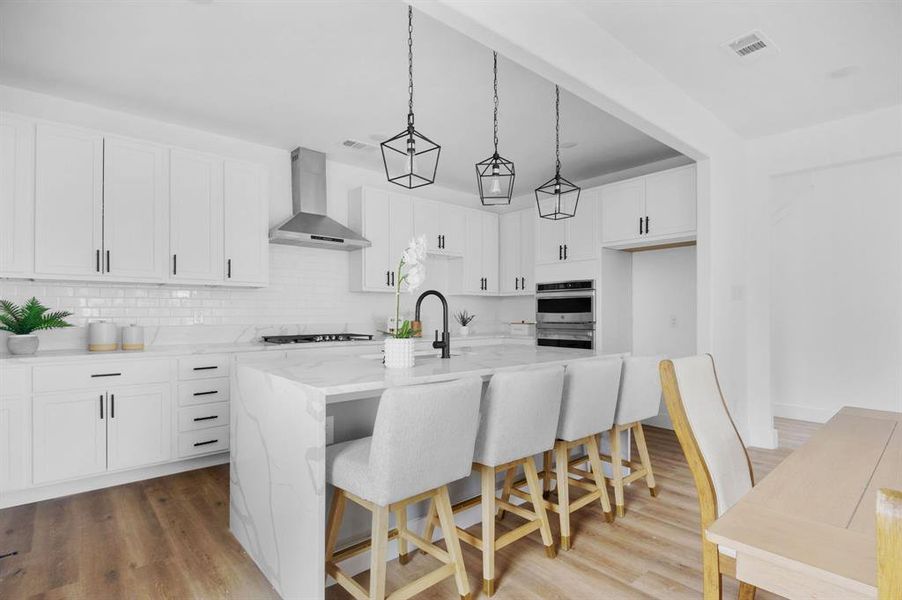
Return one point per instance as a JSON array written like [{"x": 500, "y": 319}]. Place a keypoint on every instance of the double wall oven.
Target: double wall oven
[{"x": 565, "y": 314}]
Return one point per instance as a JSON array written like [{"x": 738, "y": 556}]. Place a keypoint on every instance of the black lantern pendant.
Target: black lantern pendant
[
  {"x": 410, "y": 158},
  {"x": 557, "y": 198},
  {"x": 495, "y": 175}
]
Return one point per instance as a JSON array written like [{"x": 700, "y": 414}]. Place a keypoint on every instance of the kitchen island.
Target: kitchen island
[{"x": 278, "y": 438}]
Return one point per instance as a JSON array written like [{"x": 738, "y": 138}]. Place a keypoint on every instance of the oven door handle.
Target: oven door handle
[{"x": 565, "y": 295}]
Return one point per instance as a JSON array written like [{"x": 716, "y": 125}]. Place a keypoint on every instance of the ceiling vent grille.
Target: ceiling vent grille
[
  {"x": 357, "y": 145},
  {"x": 750, "y": 45}
]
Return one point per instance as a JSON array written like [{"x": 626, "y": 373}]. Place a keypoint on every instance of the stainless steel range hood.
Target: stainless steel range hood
[{"x": 308, "y": 224}]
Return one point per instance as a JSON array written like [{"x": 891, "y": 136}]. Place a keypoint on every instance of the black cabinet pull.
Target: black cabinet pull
[
  {"x": 196, "y": 444},
  {"x": 522, "y": 283},
  {"x": 101, "y": 406},
  {"x": 205, "y": 368},
  {"x": 205, "y": 393},
  {"x": 560, "y": 253},
  {"x": 229, "y": 269},
  {"x": 439, "y": 238},
  {"x": 646, "y": 224},
  {"x": 174, "y": 264},
  {"x": 97, "y": 261},
  {"x": 565, "y": 251},
  {"x": 516, "y": 283},
  {"x": 107, "y": 261},
  {"x": 640, "y": 225},
  {"x": 393, "y": 279},
  {"x": 112, "y": 406},
  {"x": 387, "y": 278},
  {"x": 106, "y": 374},
  {"x": 206, "y": 418}
]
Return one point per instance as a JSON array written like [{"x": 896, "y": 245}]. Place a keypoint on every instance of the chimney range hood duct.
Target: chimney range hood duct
[{"x": 308, "y": 224}]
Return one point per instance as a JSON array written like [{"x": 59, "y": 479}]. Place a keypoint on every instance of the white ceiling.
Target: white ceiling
[
  {"x": 836, "y": 57},
  {"x": 309, "y": 74}
]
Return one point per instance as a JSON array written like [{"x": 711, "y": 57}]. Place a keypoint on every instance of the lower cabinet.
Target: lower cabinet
[
  {"x": 14, "y": 432},
  {"x": 87, "y": 433}
]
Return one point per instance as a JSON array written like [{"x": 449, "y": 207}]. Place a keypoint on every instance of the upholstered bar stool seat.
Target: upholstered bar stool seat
[
  {"x": 422, "y": 440},
  {"x": 518, "y": 419},
  {"x": 587, "y": 409},
  {"x": 639, "y": 399}
]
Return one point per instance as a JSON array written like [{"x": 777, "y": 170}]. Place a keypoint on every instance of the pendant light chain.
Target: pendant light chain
[
  {"x": 557, "y": 130},
  {"x": 495, "y": 72},
  {"x": 410, "y": 62}
]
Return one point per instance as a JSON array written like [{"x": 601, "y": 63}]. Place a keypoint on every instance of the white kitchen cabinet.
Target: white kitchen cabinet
[
  {"x": 139, "y": 426},
  {"x": 569, "y": 240},
  {"x": 16, "y": 195},
  {"x": 246, "y": 224},
  {"x": 650, "y": 210},
  {"x": 14, "y": 435},
  {"x": 517, "y": 252},
  {"x": 68, "y": 228},
  {"x": 69, "y": 435},
  {"x": 135, "y": 204},
  {"x": 480, "y": 261},
  {"x": 195, "y": 217},
  {"x": 443, "y": 225},
  {"x": 386, "y": 220}
]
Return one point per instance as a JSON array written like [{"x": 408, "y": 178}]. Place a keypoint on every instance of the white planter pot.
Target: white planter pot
[
  {"x": 464, "y": 331},
  {"x": 399, "y": 353},
  {"x": 22, "y": 344}
]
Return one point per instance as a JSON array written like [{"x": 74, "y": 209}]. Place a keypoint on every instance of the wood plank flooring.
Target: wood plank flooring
[{"x": 169, "y": 538}]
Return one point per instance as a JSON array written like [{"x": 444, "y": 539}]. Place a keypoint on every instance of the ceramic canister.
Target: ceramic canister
[
  {"x": 133, "y": 337},
  {"x": 102, "y": 336}
]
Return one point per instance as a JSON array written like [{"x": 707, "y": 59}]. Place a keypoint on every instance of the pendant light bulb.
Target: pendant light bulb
[{"x": 495, "y": 186}]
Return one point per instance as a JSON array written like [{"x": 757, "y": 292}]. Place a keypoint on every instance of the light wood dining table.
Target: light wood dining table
[{"x": 807, "y": 530}]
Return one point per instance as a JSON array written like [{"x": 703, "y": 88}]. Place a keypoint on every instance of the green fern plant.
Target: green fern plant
[{"x": 31, "y": 316}]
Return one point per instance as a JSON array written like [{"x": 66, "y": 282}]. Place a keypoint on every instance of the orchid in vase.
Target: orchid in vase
[{"x": 410, "y": 276}]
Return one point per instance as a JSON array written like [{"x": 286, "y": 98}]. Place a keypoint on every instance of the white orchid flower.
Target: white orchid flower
[
  {"x": 415, "y": 253},
  {"x": 415, "y": 277}
]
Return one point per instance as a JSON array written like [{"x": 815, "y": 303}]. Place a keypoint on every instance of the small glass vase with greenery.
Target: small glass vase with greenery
[
  {"x": 22, "y": 321},
  {"x": 464, "y": 318}
]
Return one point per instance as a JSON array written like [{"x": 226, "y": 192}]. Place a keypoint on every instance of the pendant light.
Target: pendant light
[
  {"x": 495, "y": 175},
  {"x": 410, "y": 158},
  {"x": 557, "y": 198}
]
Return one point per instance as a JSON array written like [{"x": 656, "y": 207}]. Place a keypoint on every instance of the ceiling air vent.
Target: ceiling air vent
[
  {"x": 753, "y": 44},
  {"x": 357, "y": 145}
]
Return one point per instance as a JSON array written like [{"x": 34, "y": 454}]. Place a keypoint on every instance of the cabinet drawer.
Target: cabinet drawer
[
  {"x": 203, "y": 416},
  {"x": 203, "y": 391},
  {"x": 215, "y": 439},
  {"x": 204, "y": 367},
  {"x": 15, "y": 382},
  {"x": 99, "y": 374}
]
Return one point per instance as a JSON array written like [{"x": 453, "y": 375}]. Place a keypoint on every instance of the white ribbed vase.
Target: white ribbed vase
[{"x": 399, "y": 353}]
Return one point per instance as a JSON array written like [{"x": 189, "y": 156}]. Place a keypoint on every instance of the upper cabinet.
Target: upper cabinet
[
  {"x": 650, "y": 210},
  {"x": 81, "y": 205},
  {"x": 480, "y": 261},
  {"x": 443, "y": 225},
  {"x": 68, "y": 202},
  {"x": 572, "y": 239},
  {"x": 245, "y": 209},
  {"x": 516, "y": 249},
  {"x": 386, "y": 220},
  {"x": 16, "y": 195}
]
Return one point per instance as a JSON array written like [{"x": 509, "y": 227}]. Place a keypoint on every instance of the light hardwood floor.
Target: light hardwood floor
[{"x": 168, "y": 538}]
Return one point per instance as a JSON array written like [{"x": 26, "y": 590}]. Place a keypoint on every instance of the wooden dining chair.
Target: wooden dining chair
[
  {"x": 889, "y": 544},
  {"x": 716, "y": 455}
]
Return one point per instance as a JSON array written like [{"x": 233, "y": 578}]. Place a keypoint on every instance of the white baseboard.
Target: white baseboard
[
  {"x": 66, "y": 488},
  {"x": 803, "y": 413}
]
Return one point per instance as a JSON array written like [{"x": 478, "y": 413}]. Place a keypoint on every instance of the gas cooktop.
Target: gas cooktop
[{"x": 316, "y": 337}]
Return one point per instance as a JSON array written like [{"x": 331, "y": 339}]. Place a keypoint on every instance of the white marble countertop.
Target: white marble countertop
[
  {"x": 359, "y": 374},
  {"x": 155, "y": 351}
]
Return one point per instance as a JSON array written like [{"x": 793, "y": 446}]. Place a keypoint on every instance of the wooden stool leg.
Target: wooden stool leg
[
  {"x": 506, "y": 490},
  {"x": 452, "y": 543},
  {"x": 746, "y": 591},
  {"x": 532, "y": 481},
  {"x": 645, "y": 459},
  {"x": 546, "y": 473},
  {"x": 563, "y": 491},
  {"x": 617, "y": 469},
  {"x": 333, "y": 522},
  {"x": 429, "y": 527},
  {"x": 401, "y": 524},
  {"x": 595, "y": 459},
  {"x": 488, "y": 530},
  {"x": 378, "y": 552}
]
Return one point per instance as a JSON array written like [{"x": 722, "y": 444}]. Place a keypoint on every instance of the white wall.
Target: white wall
[{"x": 836, "y": 289}]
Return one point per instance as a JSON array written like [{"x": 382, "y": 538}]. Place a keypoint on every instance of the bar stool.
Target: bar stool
[
  {"x": 640, "y": 398},
  {"x": 587, "y": 409},
  {"x": 518, "y": 419},
  {"x": 422, "y": 440}
]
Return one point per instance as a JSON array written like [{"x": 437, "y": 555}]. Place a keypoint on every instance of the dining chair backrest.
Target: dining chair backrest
[
  {"x": 716, "y": 455},
  {"x": 424, "y": 436},
  {"x": 590, "y": 397},
  {"x": 640, "y": 389},
  {"x": 889, "y": 544}
]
